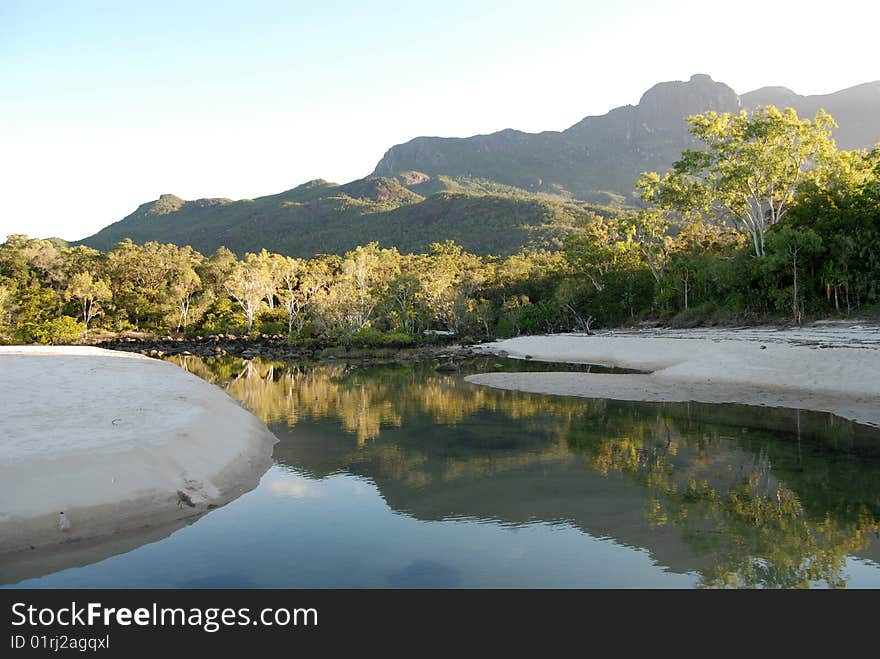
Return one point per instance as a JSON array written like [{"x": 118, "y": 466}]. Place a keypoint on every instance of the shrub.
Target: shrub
[
  {"x": 694, "y": 317},
  {"x": 504, "y": 328},
  {"x": 544, "y": 316},
  {"x": 370, "y": 337},
  {"x": 54, "y": 331},
  {"x": 271, "y": 321},
  {"x": 222, "y": 317}
]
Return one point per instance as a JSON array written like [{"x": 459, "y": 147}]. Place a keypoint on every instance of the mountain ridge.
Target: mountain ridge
[
  {"x": 493, "y": 193},
  {"x": 607, "y": 152}
]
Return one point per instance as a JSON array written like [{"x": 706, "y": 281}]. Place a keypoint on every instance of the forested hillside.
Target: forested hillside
[
  {"x": 409, "y": 212},
  {"x": 766, "y": 220}
]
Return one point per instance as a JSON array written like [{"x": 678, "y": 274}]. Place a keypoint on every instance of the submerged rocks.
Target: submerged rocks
[{"x": 448, "y": 367}]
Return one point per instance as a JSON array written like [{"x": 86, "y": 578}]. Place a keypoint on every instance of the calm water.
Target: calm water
[{"x": 399, "y": 476}]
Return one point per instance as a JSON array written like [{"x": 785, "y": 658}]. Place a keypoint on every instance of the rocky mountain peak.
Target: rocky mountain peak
[
  {"x": 666, "y": 104},
  {"x": 165, "y": 204}
]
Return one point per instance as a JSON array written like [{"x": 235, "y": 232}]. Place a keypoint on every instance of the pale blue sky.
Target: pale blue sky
[{"x": 106, "y": 105}]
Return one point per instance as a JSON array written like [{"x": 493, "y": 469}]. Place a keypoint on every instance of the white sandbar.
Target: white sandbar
[
  {"x": 829, "y": 367},
  {"x": 116, "y": 442}
]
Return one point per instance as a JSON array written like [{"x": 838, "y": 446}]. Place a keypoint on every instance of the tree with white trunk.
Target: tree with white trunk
[
  {"x": 749, "y": 171},
  {"x": 247, "y": 285},
  {"x": 89, "y": 292},
  {"x": 300, "y": 283}
]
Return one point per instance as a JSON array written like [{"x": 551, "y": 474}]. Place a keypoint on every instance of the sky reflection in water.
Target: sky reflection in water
[{"x": 399, "y": 476}]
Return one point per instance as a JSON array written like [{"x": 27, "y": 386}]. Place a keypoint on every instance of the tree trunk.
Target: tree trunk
[
  {"x": 249, "y": 313},
  {"x": 85, "y": 310},
  {"x": 686, "y": 289},
  {"x": 795, "y": 303}
]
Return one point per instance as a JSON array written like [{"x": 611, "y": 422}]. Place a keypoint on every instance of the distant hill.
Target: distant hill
[
  {"x": 605, "y": 154},
  {"x": 491, "y": 193},
  {"x": 409, "y": 211}
]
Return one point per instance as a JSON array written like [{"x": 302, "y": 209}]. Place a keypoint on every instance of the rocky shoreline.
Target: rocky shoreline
[{"x": 276, "y": 347}]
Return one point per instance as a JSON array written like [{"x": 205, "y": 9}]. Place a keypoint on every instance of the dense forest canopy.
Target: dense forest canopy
[{"x": 767, "y": 219}]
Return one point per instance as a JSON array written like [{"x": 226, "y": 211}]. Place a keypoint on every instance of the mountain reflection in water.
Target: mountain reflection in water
[{"x": 739, "y": 496}]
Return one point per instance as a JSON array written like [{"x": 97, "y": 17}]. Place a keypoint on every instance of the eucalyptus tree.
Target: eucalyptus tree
[
  {"x": 215, "y": 269},
  {"x": 140, "y": 276},
  {"x": 361, "y": 281},
  {"x": 300, "y": 283},
  {"x": 601, "y": 247},
  {"x": 750, "y": 169},
  {"x": 184, "y": 284},
  {"x": 247, "y": 284},
  {"x": 290, "y": 294},
  {"x": 405, "y": 307},
  {"x": 271, "y": 266},
  {"x": 450, "y": 278},
  {"x": 650, "y": 230},
  {"x": 33, "y": 263},
  {"x": 371, "y": 269},
  {"x": 89, "y": 292}
]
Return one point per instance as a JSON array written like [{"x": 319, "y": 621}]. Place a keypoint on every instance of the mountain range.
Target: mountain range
[
  {"x": 490, "y": 193},
  {"x": 607, "y": 153}
]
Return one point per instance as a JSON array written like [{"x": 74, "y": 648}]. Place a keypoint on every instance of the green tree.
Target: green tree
[
  {"x": 365, "y": 274},
  {"x": 185, "y": 285},
  {"x": 6, "y": 295},
  {"x": 450, "y": 278},
  {"x": 843, "y": 209},
  {"x": 790, "y": 248},
  {"x": 301, "y": 281},
  {"x": 140, "y": 278},
  {"x": 89, "y": 292},
  {"x": 601, "y": 247},
  {"x": 750, "y": 169},
  {"x": 649, "y": 229},
  {"x": 248, "y": 283},
  {"x": 405, "y": 306}
]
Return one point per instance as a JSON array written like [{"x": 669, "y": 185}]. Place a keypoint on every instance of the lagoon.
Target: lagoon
[{"x": 395, "y": 475}]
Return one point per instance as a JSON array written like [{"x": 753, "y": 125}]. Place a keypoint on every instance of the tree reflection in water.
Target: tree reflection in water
[{"x": 774, "y": 499}]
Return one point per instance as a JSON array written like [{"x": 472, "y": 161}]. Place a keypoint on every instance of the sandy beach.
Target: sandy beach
[
  {"x": 826, "y": 367},
  {"x": 97, "y": 443}
]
